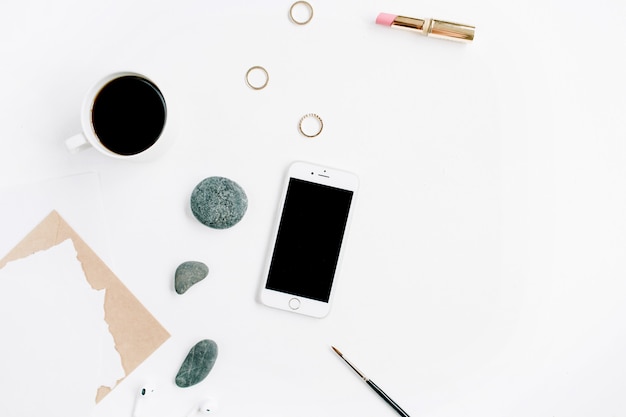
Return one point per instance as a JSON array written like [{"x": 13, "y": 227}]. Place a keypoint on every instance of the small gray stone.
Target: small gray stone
[
  {"x": 197, "y": 364},
  {"x": 189, "y": 273},
  {"x": 218, "y": 202}
]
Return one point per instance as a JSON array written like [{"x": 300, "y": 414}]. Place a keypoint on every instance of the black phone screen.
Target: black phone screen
[{"x": 308, "y": 243}]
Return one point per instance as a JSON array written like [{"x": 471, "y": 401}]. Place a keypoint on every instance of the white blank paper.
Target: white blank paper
[{"x": 56, "y": 349}]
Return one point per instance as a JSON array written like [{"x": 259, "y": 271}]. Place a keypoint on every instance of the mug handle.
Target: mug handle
[{"x": 77, "y": 143}]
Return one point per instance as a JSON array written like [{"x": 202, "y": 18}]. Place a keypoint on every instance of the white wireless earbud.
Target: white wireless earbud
[
  {"x": 208, "y": 407},
  {"x": 143, "y": 395},
  {"x": 146, "y": 391}
]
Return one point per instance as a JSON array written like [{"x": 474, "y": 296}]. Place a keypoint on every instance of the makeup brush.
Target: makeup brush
[{"x": 373, "y": 386}]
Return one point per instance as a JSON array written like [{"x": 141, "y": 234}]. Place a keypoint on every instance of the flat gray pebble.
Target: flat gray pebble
[
  {"x": 197, "y": 364},
  {"x": 218, "y": 202},
  {"x": 189, "y": 273}
]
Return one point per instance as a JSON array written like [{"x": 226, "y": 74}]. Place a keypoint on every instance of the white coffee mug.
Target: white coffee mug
[{"x": 126, "y": 116}]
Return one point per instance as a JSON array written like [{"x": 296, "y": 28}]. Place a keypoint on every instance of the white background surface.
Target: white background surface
[{"x": 484, "y": 272}]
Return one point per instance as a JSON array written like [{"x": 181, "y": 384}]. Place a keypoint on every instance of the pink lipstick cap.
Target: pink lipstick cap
[{"x": 385, "y": 19}]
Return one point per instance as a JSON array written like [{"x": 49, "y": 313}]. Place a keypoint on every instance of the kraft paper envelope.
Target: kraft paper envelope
[{"x": 137, "y": 334}]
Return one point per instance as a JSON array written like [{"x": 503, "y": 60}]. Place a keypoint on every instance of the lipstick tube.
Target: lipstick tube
[{"x": 429, "y": 27}]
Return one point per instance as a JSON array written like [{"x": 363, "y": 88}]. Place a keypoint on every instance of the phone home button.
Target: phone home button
[{"x": 294, "y": 304}]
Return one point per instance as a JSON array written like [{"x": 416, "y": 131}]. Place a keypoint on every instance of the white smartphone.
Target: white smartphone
[{"x": 310, "y": 232}]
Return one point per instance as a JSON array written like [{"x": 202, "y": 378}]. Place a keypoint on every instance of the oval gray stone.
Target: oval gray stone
[
  {"x": 197, "y": 364},
  {"x": 218, "y": 202},
  {"x": 189, "y": 273}
]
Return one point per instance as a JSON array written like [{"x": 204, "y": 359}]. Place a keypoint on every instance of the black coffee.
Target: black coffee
[{"x": 128, "y": 115}]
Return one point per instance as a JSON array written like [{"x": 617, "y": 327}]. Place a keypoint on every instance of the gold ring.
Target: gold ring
[
  {"x": 305, "y": 4},
  {"x": 312, "y": 134},
  {"x": 257, "y": 87}
]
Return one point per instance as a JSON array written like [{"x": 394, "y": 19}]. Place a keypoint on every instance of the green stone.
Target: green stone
[
  {"x": 197, "y": 364},
  {"x": 218, "y": 202},
  {"x": 189, "y": 273}
]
